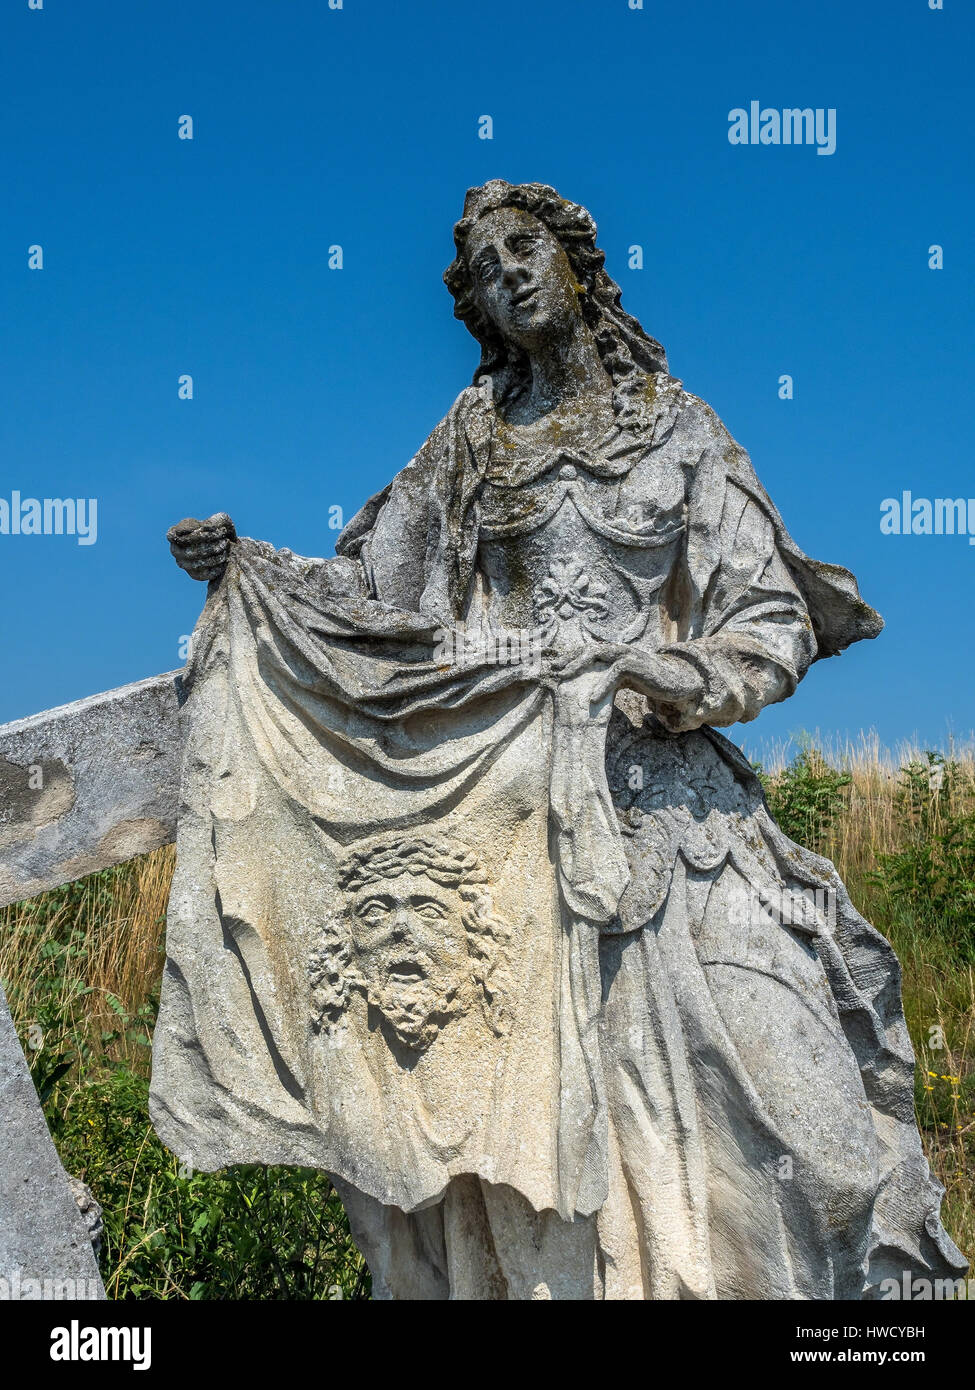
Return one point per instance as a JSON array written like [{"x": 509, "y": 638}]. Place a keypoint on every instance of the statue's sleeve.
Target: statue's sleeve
[{"x": 747, "y": 636}]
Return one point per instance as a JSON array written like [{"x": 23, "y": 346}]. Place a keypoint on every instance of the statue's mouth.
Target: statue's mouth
[
  {"x": 406, "y": 972},
  {"x": 524, "y": 295}
]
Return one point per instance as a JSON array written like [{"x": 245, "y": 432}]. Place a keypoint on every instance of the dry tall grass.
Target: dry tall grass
[{"x": 102, "y": 935}]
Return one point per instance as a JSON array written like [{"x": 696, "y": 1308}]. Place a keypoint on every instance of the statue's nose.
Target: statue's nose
[{"x": 513, "y": 275}]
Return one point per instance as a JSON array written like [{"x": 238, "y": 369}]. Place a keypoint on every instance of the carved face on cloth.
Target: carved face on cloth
[
  {"x": 417, "y": 939},
  {"x": 410, "y": 949}
]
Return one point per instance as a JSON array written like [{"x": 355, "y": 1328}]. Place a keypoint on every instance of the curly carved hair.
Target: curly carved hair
[
  {"x": 330, "y": 968},
  {"x": 627, "y": 352}
]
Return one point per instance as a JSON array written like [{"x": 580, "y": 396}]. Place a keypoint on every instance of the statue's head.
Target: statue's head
[
  {"x": 416, "y": 936},
  {"x": 527, "y": 268}
]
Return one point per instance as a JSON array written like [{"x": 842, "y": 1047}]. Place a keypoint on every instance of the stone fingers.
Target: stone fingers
[
  {"x": 199, "y": 551},
  {"x": 218, "y": 526},
  {"x": 201, "y": 547}
]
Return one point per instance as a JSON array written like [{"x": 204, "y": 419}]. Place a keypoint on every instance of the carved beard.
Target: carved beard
[{"x": 415, "y": 998}]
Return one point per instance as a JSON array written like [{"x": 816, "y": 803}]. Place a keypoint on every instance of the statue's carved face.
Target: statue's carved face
[
  {"x": 523, "y": 281},
  {"x": 410, "y": 950},
  {"x": 416, "y": 935}
]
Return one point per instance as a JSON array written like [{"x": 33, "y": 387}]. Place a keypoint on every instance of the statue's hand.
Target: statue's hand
[
  {"x": 662, "y": 678},
  {"x": 201, "y": 548}
]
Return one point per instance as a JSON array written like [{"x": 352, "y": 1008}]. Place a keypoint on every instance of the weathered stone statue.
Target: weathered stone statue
[{"x": 475, "y": 910}]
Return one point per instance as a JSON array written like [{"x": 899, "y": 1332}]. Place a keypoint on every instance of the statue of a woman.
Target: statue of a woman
[{"x": 473, "y": 908}]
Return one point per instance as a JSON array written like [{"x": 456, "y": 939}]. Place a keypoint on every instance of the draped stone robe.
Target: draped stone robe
[{"x": 686, "y": 1072}]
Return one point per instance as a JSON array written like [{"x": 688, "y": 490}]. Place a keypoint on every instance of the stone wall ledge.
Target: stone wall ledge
[{"x": 88, "y": 785}]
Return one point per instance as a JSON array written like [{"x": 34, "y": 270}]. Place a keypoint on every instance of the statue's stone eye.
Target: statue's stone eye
[
  {"x": 485, "y": 270},
  {"x": 432, "y": 912}
]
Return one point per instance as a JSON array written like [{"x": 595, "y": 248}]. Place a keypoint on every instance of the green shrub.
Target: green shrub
[
  {"x": 932, "y": 875},
  {"x": 244, "y": 1233},
  {"x": 806, "y": 798}
]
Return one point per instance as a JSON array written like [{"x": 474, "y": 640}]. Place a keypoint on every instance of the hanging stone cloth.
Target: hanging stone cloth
[{"x": 424, "y": 933}]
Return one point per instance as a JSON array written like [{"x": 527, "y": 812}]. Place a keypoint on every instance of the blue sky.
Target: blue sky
[{"x": 313, "y": 386}]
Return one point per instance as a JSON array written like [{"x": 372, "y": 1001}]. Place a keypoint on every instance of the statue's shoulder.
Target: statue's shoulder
[
  {"x": 409, "y": 494},
  {"x": 703, "y": 440},
  {"x": 677, "y": 420},
  {"x": 695, "y": 421},
  {"x": 472, "y": 408}
]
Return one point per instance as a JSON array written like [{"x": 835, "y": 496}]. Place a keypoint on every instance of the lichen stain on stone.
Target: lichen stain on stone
[
  {"x": 124, "y": 841},
  {"x": 32, "y": 796},
  {"x": 132, "y": 837},
  {"x": 145, "y": 753}
]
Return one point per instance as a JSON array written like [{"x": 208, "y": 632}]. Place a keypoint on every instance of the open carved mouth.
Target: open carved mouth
[{"x": 406, "y": 972}]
